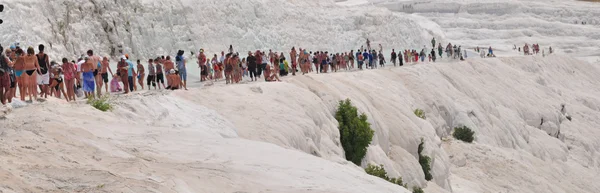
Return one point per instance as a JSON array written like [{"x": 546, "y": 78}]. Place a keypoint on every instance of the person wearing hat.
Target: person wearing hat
[{"x": 174, "y": 80}]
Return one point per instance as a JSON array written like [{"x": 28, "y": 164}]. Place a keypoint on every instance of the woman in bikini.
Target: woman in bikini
[
  {"x": 31, "y": 66},
  {"x": 69, "y": 70},
  {"x": 57, "y": 83},
  {"x": 19, "y": 67}
]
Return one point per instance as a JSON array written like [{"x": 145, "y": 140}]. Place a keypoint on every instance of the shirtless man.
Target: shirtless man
[
  {"x": 168, "y": 65},
  {"x": 96, "y": 61},
  {"x": 293, "y": 56},
  {"x": 141, "y": 73},
  {"x": 174, "y": 79},
  {"x": 87, "y": 68},
  {"x": 104, "y": 70}
]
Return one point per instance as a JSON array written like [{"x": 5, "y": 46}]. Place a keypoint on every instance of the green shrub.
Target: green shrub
[
  {"x": 425, "y": 162},
  {"x": 464, "y": 134},
  {"x": 420, "y": 113},
  {"x": 417, "y": 190},
  {"x": 381, "y": 173},
  {"x": 102, "y": 103},
  {"x": 378, "y": 171},
  {"x": 355, "y": 132}
]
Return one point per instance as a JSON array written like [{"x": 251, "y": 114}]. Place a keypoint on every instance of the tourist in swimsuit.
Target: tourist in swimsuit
[
  {"x": 168, "y": 65},
  {"x": 89, "y": 82},
  {"x": 96, "y": 66},
  {"x": 273, "y": 76},
  {"x": 236, "y": 68},
  {"x": 32, "y": 69},
  {"x": 293, "y": 56},
  {"x": 104, "y": 70},
  {"x": 202, "y": 65},
  {"x": 19, "y": 67},
  {"x": 69, "y": 73},
  {"x": 267, "y": 72},
  {"x": 175, "y": 80},
  {"x": 159, "y": 74},
  {"x": 5, "y": 83},
  {"x": 140, "y": 73},
  {"x": 228, "y": 69},
  {"x": 122, "y": 68},
  {"x": 57, "y": 84}
]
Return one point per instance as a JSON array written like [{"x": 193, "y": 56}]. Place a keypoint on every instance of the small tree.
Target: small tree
[
  {"x": 425, "y": 161},
  {"x": 355, "y": 132},
  {"x": 420, "y": 113},
  {"x": 464, "y": 133}
]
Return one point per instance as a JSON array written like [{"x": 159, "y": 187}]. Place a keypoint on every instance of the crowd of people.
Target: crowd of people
[{"x": 36, "y": 75}]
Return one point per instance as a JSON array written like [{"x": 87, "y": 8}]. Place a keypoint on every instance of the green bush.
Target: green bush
[
  {"x": 417, "y": 190},
  {"x": 102, "y": 103},
  {"x": 464, "y": 134},
  {"x": 381, "y": 173},
  {"x": 378, "y": 171},
  {"x": 420, "y": 113},
  {"x": 425, "y": 162},
  {"x": 355, "y": 132}
]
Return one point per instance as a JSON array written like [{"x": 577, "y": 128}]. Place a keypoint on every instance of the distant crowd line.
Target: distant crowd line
[{"x": 26, "y": 71}]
